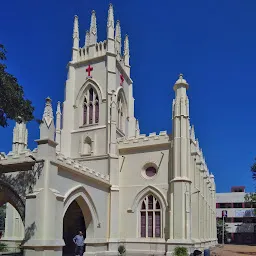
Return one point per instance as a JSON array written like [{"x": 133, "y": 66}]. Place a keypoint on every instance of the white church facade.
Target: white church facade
[{"x": 94, "y": 171}]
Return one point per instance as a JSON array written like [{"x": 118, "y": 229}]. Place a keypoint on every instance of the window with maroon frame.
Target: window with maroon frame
[
  {"x": 150, "y": 217},
  {"x": 91, "y": 107}
]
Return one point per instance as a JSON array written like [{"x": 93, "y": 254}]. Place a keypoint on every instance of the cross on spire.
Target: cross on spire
[
  {"x": 88, "y": 70},
  {"x": 122, "y": 80}
]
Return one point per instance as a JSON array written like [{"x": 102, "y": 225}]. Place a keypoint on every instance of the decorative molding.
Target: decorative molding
[{"x": 144, "y": 192}]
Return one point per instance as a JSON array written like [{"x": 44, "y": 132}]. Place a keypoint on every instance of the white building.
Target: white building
[
  {"x": 95, "y": 172},
  {"x": 240, "y": 219}
]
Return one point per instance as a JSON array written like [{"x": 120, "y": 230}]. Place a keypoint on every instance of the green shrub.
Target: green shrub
[
  {"x": 3, "y": 247},
  {"x": 181, "y": 251},
  {"x": 121, "y": 249}
]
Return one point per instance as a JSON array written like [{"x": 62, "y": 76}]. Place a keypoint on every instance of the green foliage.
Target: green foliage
[
  {"x": 3, "y": 247},
  {"x": 121, "y": 249},
  {"x": 251, "y": 197},
  {"x": 12, "y": 100},
  {"x": 180, "y": 251},
  {"x": 220, "y": 230},
  {"x": 2, "y": 216}
]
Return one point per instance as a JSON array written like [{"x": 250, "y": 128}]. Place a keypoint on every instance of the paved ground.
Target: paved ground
[{"x": 234, "y": 250}]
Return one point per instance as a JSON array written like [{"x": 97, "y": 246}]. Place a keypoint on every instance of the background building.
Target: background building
[{"x": 241, "y": 220}]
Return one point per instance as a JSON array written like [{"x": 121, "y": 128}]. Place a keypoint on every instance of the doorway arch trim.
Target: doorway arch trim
[{"x": 80, "y": 191}]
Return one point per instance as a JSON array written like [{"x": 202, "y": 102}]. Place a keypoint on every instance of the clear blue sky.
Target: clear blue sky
[{"x": 213, "y": 43}]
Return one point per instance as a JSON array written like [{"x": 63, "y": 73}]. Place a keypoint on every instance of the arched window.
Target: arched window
[
  {"x": 120, "y": 114},
  {"x": 150, "y": 217},
  {"x": 87, "y": 147},
  {"x": 91, "y": 107}
]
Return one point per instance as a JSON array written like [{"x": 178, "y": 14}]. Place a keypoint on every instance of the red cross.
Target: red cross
[
  {"x": 88, "y": 70},
  {"x": 122, "y": 80}
]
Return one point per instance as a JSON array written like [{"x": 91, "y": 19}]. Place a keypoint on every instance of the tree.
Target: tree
[
  {"x": 13, "y": 106},
  {"x": 251, "y": 197},
  {"x": 220, "y": 230}
]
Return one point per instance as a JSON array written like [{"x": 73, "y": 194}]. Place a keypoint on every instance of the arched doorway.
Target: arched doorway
[{"x": 77, "y": 218}]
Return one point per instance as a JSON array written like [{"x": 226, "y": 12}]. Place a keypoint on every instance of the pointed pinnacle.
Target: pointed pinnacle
[
  {"x": 126, "y": 45},
  {"x": 58, "y": 108},
  {"x": 192, "y": 134},
  {"x": 111, "y": 16},
  {"x": 93, "y": 26},
  {"x": 75, "y": 29},
  {"x": 87, "y": 38}
]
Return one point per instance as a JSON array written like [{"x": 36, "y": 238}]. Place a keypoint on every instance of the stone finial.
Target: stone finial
[
  {"x": 212, "y": 176},
  {"x": 93, "y": 29},
  {"x": 192, "y": 133},
  {"x": 87, "y": 38},
  {"x": 118, "y": 39},
  {"x": 180, "y": 82},
  {"x": 48, "y": 113},
  {"x": 20, "y": 138},
  {"x": 111, "y": 16}
]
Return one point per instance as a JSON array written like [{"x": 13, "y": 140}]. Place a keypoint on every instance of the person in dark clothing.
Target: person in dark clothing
[{"x": 79, "y": 242}]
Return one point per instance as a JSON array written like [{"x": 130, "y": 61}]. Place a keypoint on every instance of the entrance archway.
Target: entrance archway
[
  {"x": 72, "y": 223},
  {"x": 77, "y": 218}
]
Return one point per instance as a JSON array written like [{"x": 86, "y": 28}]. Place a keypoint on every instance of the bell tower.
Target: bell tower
[{"x": 99, "y": 104}]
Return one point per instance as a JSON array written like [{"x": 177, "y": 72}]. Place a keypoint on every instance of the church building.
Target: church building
[{"x": 94, "y": 171}]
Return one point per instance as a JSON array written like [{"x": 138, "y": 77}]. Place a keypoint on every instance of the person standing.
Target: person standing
[{"x": 79, "y": 242}]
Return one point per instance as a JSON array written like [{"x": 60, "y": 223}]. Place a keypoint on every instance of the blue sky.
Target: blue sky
[{"x": 213, "y": 43}]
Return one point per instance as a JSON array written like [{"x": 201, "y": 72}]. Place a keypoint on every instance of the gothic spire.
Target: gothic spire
[
  {"x": 75, "y": 38},
  {"x": 111, "y": 16},
  {"x": 126, "y": 52},
  {"x": 87, "y": 38},
  {"x": 93, "y": 29},
  {"x": 110, "y": 24},
  {"x": 118, "y": 38}
]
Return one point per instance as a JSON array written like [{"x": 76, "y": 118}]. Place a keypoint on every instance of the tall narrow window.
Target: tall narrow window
[
  {"x": 150, "y": 217},
  {"x": 91, "y": 107},
  {"x": 96, "y": 110},
  {"x": 90, "y": 113},
  {"x": 85, "y": 112},
  {"x": 120, "y": 114}
]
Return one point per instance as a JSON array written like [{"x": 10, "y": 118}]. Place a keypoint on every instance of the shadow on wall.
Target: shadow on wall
[
  {"x": 23, "y": 182},
  {"x": 29, "y": 232},
  {"x": 16, "y": 186}
]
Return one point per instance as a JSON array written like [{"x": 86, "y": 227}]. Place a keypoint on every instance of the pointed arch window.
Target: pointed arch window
[
  {"x": 150, "y": 217},
  {"x": 91, "y": 107},
  {"x": 120, "y": 114}
]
